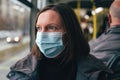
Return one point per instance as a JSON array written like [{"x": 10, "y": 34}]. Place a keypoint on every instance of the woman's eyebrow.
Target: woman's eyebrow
[{"x": 37, "y": 25}]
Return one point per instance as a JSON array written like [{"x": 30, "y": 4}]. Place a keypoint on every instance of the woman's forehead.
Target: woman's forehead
[{"x": 49, "y": 16}]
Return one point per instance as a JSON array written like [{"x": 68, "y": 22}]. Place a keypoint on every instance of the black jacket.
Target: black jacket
[{"x": 88, "y": 68}]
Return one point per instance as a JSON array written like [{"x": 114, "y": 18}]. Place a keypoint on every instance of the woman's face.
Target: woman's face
[{"x": 49, "y": 21}]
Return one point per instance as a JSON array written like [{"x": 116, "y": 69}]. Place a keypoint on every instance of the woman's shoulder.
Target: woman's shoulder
[
  {"x": 23, "y": 68},
  {"x": 25, "y": 64}
]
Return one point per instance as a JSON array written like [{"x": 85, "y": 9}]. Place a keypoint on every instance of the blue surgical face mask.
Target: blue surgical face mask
[{"x": 50, "y": 43}]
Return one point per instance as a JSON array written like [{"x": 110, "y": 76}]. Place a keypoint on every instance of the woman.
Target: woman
[{"x": 60, "y": 51}]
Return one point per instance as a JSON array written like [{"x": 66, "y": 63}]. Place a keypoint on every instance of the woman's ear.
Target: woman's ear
[{"x": 109, "y": 18}]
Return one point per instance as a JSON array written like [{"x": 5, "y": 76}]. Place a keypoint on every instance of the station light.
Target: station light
[{"x": 86, "y": 17}]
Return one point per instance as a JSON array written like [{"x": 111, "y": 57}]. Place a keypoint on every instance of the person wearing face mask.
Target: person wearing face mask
[{"x": 60, "y": 51}]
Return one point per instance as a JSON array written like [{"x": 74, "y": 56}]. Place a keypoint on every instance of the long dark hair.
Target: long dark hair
[{"x": 76, "y": 45}]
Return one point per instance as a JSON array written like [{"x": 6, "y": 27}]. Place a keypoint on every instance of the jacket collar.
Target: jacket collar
[
  {"x": 26, "y": 65},
  {"x": 113, "y": 29}
]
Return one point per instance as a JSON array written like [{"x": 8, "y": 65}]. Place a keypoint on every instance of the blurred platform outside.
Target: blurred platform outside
[{"x": 5, "y": 65}]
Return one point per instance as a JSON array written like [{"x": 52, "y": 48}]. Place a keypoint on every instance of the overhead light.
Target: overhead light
[{"x": 97, "y": 10}]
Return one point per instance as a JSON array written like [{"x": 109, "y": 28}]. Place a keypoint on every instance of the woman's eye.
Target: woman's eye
[
  {"x": 38, "y": 28},
  {"x": 52, "y": 28}
]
